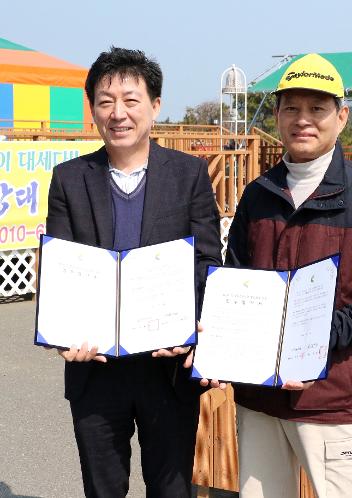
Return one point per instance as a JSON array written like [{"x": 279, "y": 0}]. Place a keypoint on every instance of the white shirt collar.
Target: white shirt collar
[{"x": 136, "y": 171}]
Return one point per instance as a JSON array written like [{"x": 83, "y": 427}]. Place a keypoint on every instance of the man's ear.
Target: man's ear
[
  {"x": 156, "y": 107},
  {"x": 343, "y": 117}
]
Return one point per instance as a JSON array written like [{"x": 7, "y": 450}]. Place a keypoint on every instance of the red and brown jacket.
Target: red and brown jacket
[{"x": 268, "y": 232}]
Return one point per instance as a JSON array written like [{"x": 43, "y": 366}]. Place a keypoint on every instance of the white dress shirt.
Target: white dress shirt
[{"x": 128, "y": 182}]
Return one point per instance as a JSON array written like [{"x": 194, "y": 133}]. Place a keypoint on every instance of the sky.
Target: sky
[{"x": 193, "y": 40}]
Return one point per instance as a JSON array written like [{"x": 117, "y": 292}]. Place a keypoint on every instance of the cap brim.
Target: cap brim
[{"x": 280, "y": 90}]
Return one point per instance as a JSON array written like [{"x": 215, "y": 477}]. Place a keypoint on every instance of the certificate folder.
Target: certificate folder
[
  {"x": 124, "y": 302},
  {"x": 266, "y": 327}
]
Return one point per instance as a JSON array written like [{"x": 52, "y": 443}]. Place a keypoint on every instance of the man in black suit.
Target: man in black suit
[{"x": 132, "y": 193}]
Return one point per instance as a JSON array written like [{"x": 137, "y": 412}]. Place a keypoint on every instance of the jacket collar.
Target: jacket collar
[
  {"x": 332, "y": 185},
  {"x": 334, "y": 178},
  {"x": 156, "y": 177},
  {"x": 98, "y": 186}
]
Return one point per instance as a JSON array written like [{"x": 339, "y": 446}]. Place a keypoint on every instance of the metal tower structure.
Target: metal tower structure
[{"x": 233, "y": 93}]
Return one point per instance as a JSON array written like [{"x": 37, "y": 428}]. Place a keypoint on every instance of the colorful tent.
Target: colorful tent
[
  {"x": 341, "y": 60},
  {"x": 37, "y": 87}
]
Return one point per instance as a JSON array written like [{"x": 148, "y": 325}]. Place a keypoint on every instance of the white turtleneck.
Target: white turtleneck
[{"x": 304, "y": 178}]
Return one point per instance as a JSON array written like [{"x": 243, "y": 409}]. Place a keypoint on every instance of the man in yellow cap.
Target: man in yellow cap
[{"x": 298, "y": 212}]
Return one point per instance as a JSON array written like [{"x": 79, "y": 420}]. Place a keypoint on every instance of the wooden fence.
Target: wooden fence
[
  {"x": 229, "y": 170},
  {"x": 178, "y": 136},
  {"x": 21, "y": 129}
]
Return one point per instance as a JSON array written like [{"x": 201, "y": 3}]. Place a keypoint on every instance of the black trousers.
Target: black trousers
[{"x": 118, "y": 395}]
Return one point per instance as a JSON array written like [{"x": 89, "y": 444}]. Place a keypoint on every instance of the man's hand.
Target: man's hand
[
  {"x": 82, "y": 354},
  {"x": 189, "y": 360},
  {"x": 171, "y": 352},
  {"x": 294, "y": 385},
  {"x": 213, "y": 383}
]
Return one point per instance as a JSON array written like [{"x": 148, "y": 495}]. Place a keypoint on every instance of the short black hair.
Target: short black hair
[
  {"x": 125, "y": 62},
  {"x": 339, "y": 103}
]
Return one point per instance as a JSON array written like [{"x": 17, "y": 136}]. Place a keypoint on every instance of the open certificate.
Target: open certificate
[
  {"x": 123, "y": 302},
  {"x": 267, "y": 327}
]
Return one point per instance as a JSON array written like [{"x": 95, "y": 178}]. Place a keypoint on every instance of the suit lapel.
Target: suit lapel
[
  {"x": 98, "y": 188},
  {"x": 155, "y": 178}
]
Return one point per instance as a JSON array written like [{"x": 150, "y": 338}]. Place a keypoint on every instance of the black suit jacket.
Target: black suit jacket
[{"x": 178, "y": 202}]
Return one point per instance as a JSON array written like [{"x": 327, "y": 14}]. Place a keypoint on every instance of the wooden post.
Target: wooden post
[
  {"x": 306, "y": 489},
  {"x": 254, "y": 170},
  {"x": 216, "y": 449},
  {"x": 240, "y": 174},
  {"x": 203, "y": 461},
  {"x": 263, "y": 156},
  {"x": 225, "y": 444}
]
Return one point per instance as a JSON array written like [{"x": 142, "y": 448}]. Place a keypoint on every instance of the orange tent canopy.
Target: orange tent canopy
[{"x": 20, "y": 64}]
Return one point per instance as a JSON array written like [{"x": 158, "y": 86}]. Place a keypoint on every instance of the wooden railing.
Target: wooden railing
[
  {"x": 47, "y": 130},
  {"x": 269, "y": 155},
  {"x": 67, "y": 130},
  {"x": 229, "y": 170},
  {"x": 177, "y": 136},
  {"x": 203, "y": 141},
  {"x": 270, "y": 149},
  {"x": 187, "y": 129},
  {"x": 265, "y": 137}
]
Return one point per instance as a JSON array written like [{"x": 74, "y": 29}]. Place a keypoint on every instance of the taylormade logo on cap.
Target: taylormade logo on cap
[
  {"x": 304, "y": 74},
  {"x": 312, "y": 72}
]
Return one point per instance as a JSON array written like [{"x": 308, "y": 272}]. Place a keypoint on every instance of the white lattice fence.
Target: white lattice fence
[{"x": 17, "y": 272}]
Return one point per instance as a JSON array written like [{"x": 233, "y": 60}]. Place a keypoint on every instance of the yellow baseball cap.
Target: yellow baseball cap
[{"x": 312, "y": 72}]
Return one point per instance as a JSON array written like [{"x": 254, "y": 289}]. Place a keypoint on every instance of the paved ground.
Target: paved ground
[{"x": 38, "y": 456}]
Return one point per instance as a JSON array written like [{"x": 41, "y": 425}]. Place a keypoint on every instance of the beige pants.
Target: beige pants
[{"x": 271, "y": 450}]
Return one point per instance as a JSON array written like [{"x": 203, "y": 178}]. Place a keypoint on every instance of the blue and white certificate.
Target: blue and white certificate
[
  {"x": 157, "y": 297},
  {"x": 310, "y": 305},
  {"x": 125, "y": 303},
  {"x": 76, "y": 300},
  {"x": 266, "y": 327}
]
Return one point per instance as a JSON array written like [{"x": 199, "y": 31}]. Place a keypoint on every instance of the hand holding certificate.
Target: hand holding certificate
[
  {"x": 82, "y": 354},
  {"x": 124, "y": 303},
  {"x": 267, "y": 327}
]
